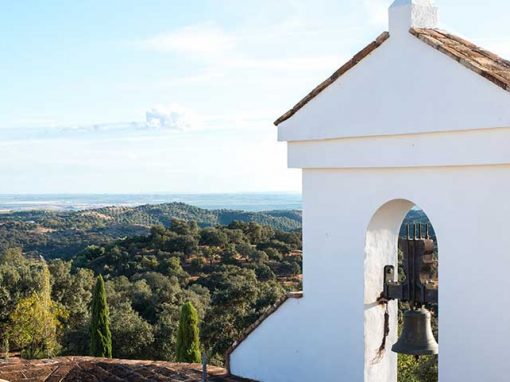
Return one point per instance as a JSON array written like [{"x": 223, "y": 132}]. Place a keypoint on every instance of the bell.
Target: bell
[{"x": 416, "y": 337}]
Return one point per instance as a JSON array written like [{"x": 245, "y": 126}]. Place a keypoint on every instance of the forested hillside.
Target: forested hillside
[
  {"x": 53, "y": 234},
  {"x": 231, "y": 274}
]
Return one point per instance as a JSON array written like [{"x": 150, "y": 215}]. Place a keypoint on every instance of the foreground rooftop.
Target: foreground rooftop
[{"x": 89, "y": 369}]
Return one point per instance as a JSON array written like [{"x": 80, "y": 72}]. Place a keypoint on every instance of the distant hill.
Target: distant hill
[
  {"x": 64, "y": 233},
  {"x": 286, "y": 220}
]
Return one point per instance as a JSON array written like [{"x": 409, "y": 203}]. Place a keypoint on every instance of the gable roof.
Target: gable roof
[{"x": 485, "y": 63}]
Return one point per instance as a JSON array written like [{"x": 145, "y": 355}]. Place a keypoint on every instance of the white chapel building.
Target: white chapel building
[{"x": 419, "y": 117}]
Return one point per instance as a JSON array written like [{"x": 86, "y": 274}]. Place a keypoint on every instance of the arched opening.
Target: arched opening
[{"x": 383, "y": 321}]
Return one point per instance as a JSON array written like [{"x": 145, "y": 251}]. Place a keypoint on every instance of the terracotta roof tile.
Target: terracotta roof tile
[
  {"x": 481, "y": 61},
  {"x": 68, "y": 369}
]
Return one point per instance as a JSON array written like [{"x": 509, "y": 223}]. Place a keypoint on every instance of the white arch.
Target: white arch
[{"x": 381, "y": 248}]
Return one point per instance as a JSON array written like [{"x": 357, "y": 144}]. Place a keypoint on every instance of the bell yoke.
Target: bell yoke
[{"x": 419, "y": 289}]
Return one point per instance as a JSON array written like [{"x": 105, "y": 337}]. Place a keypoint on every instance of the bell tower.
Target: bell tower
[{"x": 418, "y": 117}]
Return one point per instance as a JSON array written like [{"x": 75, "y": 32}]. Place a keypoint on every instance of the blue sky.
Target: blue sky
[{"x": 127, "y": 96}]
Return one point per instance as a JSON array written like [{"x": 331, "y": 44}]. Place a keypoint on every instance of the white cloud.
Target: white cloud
[
  {"x": 202, "y": 40},
  {"x": 173, "y": 117},
  {"x": 159, "y": 120},
  {"x": 266, "y": 48}
]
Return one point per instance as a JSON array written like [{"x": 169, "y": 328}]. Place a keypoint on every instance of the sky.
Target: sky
[{"x": 154, "y": 96}]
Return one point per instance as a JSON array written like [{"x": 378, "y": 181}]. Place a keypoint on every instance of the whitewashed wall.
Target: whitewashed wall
[{"x": 320, "y": 337}]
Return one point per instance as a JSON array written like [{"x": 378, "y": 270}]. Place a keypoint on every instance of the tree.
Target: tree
[
  {"x": 100, "y": 335},
  {"x": 34, "y": 328},
  {"x": 182, "y": 227},
  {"x": 35, "y": 322},
  {"x": 289, "y": 268},
  {"x": 132, "y": 335},
  {"x": 186, "y": 244},
  {"x": 13, "y": 256},
  {"x": 423, "y": 369},
  {"x": 213, "y": 237},
  {"x": 73, "y": 292},
  {"x": 237, "y": 301},
  {"x": 188, "y": 341}
]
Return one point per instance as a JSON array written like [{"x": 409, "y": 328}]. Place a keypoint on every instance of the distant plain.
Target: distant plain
[{"x": 75, "y": 202}]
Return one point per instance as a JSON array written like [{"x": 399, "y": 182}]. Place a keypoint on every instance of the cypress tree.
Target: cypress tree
[
  {"x": 100, "y": 335},
  {"x": 188, "y": 335}
]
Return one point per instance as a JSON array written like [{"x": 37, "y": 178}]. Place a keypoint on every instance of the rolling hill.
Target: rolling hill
[{"x": 54, "y": 234}]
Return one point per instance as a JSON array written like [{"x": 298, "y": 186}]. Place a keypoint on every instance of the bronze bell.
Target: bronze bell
[{"x": 416, "y": 337}]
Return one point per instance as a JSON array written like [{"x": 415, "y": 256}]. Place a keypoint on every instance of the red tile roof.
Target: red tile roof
[
  {"x": 68, "y": 369},
  {"x": 486, "y": 64}
]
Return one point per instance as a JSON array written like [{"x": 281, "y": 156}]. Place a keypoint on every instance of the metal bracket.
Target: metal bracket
[{"x": 420, "y": 287}]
